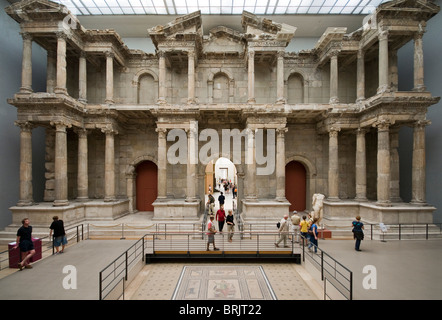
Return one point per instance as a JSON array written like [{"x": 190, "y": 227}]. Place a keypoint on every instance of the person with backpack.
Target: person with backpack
[{"x": 358, "y": 232}]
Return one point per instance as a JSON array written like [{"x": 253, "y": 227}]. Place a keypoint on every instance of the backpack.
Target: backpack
[{"x": 278, "y": 225}]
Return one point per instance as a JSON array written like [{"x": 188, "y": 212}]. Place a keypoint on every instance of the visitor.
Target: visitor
[
  {"x": 313, "y": 233},
  {"x": 211, "y": 230},
  {"x": 358, "y": 232},
  {"x": 211, "y": 204},
  {"x": 294, "y": 228},
  {"x": 221, "y": 218},
  {"x": 59, "y": 234},
  {"x": 230, "y": 225},
  {"x": 24, "y": 242},
  {"x": 304, "y": 225},
  {"x": 235, "y": 191},
  {"x": 221, "y": 199},
  {"x": 283, "y": 229}
]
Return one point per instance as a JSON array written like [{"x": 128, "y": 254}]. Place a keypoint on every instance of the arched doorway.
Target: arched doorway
[
  {"x": 146, "y": 185},
  {"x": 295, "y": 185},
  {"x": 295, "y": 89},
  {"x": 222, "y": 176}
]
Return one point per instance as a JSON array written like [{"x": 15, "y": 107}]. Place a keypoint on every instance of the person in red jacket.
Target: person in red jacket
[{"x": 221, "y": 217}]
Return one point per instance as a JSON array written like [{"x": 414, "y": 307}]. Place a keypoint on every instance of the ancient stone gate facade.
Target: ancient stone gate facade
[{"x": 335, "y": 109}]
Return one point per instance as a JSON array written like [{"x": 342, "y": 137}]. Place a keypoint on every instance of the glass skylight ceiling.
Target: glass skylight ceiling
[{"x": 259, "y": 7}]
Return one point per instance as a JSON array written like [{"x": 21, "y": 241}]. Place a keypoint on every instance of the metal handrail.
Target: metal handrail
[
  {"x": 331, "y": 269},
  {"x": 403, "y": 227},
  {"x": 48, "y": 243},
  {"x": 111, "y": 275}
]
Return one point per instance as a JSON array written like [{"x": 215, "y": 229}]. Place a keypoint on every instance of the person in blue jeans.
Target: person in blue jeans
[
  {"x": 313, "y": 235},
  {"x": 358, "y": 232}
]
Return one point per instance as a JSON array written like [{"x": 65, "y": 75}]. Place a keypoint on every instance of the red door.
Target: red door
[
  {"x": 295, "y": 185},
  {"x": 147, "y": 173}
]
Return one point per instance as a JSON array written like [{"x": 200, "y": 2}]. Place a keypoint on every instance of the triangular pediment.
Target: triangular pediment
[
  {"x": 266, "y": 29},
  {"x": 423, "y": 9},
  {"x": 415, "y": 4},
  {"x": 35, "y": 9},
  {"x": 189, "y": 23}
]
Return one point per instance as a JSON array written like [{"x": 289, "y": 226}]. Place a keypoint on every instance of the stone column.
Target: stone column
[
  {"x": 26, "y": 191},
  {"x": 333, "y": 164},
  {"x": 418, "y": 166},
  {"x": 109, "y": 164},
  {"x": 394, "y": 165},
  {"x": 361, "y": 166},
  {"x": 130, "y": 190},
  {"x": 51, "y": 72},
  {"x": 419, "y": 62},
  {"x": 334, "y": 78},
  {"x": 280, "y": 78},
  {"x": 162, "y": 163},
  {"x": 109, "y": 77},
  {"x": 161, "y": 77},
  {"x": 82, "y": 173},
  {"x": 251, "y": 77},
  {"x": 280, "y": 164},
  {"x": 360, "y": 92},
  {"x": 383, "y": 163},
  {"x": 26, "y": 67},
  {"x": 250, "y": 188},
  {"x": 393, "y": 71},
  {"x": 191, "y": 77},
  {"x": 240, "y": 194},
  {"x": 383, "y": 62},
  {"x": 61, "y": 63},
  {"x": 61, "y": 164},
  {"x": 192, "y": 152},
  {"x": 82, "y": 76},
  {"x": 210, "y": 91}
]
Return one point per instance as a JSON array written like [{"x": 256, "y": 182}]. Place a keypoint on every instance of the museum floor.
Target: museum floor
[{"x": 405, "y": 270}]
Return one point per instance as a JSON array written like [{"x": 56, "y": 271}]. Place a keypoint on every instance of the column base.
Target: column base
[
  {"x": 383, "y": 89},
  {"x": 60, "y": 203},
  {"x": 109, "y": 199},
  {"x": 61, "y": 90},
  {"x": 252, "y": 100},
  {"x": 281, "y": 199},
  {"x": 383, "y": 203},
  {"x": 82, "y": 199},
  {"x": 361, "y": 199},
  {"x": 418, "y": 203},
  {"x": 26, "y": 90},
  {"x": 191, "y": 199},
  {"x": 109, "y": 101},
  {"x": 420, "y": 89},
  {"x": 25, "y": 203},
  {"x": 334, "y": 100},
  {"x": 280, "y": 101},
  {"x": 332, "y": 199}
]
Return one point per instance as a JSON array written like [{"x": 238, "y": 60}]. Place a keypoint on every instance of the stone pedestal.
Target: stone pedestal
[
  {"x": 41, "y": 214},
  {"x": 264, "y": 209},
  {"x": 373, "y": 213},
  {"x": 176, "y": 209}
]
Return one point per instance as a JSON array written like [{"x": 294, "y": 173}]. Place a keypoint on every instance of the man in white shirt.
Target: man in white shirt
[{"x": 283, "y": 229}]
